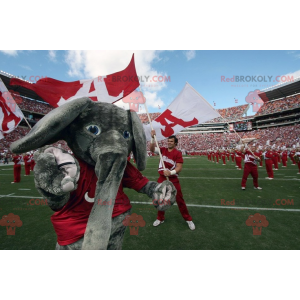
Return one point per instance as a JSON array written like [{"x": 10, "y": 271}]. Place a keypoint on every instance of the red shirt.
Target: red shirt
[
  {"x": 249, "y": 158},
  {"x": 17, "y": 159},
  {"x": 170, "y": 159},
  {"x": 238, "y": 153},
  {"x": 269, "y": 155},
  {"x": 26, "y": 159},
  {"x": 70, "y": 222}
]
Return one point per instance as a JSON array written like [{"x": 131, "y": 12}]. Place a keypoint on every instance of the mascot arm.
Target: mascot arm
[
  {"x": 163, "y": 194},
  {"x": 55, "y": 175}
]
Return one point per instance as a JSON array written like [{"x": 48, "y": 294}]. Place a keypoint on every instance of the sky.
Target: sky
[{"x": 216, "y": 75}]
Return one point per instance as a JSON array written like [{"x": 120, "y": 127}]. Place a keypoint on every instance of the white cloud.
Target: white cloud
[
  {"x": 290, "y": 77},
  {"x": 190, "y": 54},
  {"x": 52, "y": 55},
  {"x": 92, "y": 63},
  {"x": 10, "y": 52}
]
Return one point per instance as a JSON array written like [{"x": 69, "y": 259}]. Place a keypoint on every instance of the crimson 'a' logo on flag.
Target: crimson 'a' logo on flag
[{"x": 167, "y": 115}]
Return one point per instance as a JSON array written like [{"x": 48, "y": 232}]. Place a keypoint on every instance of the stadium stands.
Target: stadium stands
[{"x": 279, "y": 105}]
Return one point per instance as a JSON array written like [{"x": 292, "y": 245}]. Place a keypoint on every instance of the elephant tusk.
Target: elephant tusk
[{"x": 88, "y": 199}]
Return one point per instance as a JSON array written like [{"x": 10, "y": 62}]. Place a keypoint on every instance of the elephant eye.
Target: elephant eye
[
  {"x": 94, "y": 129},
  {"x": 126, "y": 134}
]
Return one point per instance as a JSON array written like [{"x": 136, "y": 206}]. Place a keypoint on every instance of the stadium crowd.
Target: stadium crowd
[
  {"x": 279, "y": 105},
  {"x": 34, "y": 106},
  {"x": 231, "y": 113},
  {"x": 276, "y": 137}
]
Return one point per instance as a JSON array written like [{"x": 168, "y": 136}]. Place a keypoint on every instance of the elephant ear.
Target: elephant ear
[
  {"x": 139, "y": 148},
  {"x": 49, "y": 128}
]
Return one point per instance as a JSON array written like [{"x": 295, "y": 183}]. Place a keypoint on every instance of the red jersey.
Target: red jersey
[
  {"x": 17, "y": 159},
  {"x": 70, "y": 222},
  {"x": 249, "y": 158},
  {"x": 170, "y": 159},
  {"x": 238, "y": 153},
  {"x": 269, "y": 155},
  {"x": 26, "y": 159}
]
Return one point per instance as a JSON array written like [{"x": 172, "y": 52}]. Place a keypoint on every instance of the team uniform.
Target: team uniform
[
  {"x": 170, "y": 159},
  {"x": 232, "y": 156},
  {"x": 250, "y": 167},
  {"x": 292, "y": 153},
  {"x": 269, "y": 162},
  {"x": 17, "y": 168},
  {"x": 259, "y": 154},
  {"x": 27, "y": 162},
  {"x": 284, "y": 156},
  {"x": 32, "y": 163},
  {"x": 238, "y": 159},
  {"x": 275, "y": 159},
  {"x": 70, "y": 222},
  {"x": 223, "y": 154},
  {"x": 298, "y": 154}
]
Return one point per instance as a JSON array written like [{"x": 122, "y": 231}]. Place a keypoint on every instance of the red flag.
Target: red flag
[{"x": 109, "y": 88}]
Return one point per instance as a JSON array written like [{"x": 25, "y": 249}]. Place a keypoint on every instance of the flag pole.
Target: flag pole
[{"x": 154, "y": 134}]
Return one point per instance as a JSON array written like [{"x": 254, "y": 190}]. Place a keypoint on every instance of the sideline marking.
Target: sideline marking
[
  {"x": 9, "y": 195},
  {"x": 228, "y": 207},
  {"x": 191, "y": 205}
]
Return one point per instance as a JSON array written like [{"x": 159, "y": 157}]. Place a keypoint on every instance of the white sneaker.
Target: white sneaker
[
  {"x": 270, "y": 178},
  {"x": 258, "y": 188},
  {"x": 298, "y": 173},
  {"x": 243, "y": 188},
  {"x": 157, "y": 222},
  {"x": 191, "y": 225}
]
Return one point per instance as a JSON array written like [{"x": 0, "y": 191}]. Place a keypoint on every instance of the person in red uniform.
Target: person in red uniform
[
  {"x": 27, "y": 162},
  {"x": 238, "y": 159},
  {"x": 32, "y": 163},
  {"x": 258, "y": 153},
  {"x": 17, "y": 159},
  {"x": 284, "y": 156},
  {"x": 223, "y": 155},
  {"x": 227, "y": 154},
  {"x": 232, "y": 155},
  {"x": 275, "y": 159},
  {"x": 268, "y": 155},
  {"x": 297, "y": 159},
  {"x": 279, "y": 156},
  {"x": 217, "y": 155},
  {"x": 173, "y": 163},
  {"x": 292, "y": 154},
  {"x": 250, "y": 167}
]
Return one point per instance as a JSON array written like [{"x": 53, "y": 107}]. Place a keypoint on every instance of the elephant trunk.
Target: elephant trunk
[{"x": 110, "y": 166}]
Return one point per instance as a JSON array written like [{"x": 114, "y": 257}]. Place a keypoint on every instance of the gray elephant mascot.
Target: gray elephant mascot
[{"x": 86, "y": 190}]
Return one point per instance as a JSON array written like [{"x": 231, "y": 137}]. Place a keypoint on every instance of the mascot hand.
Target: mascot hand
[
  {"x": 55, "y": 174},
  {"x": 164, "y": 195}
]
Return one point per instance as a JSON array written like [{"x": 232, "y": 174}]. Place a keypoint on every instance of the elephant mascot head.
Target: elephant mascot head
[{"x": 102, "y": 135}]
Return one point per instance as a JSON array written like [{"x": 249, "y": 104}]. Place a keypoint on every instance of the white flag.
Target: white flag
[
  {"x": 187, "y": 109},
  {"x": 10, "y": 113}
]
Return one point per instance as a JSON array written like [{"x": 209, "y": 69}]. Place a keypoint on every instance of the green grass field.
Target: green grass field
[{"x": 204, "y": 185}]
